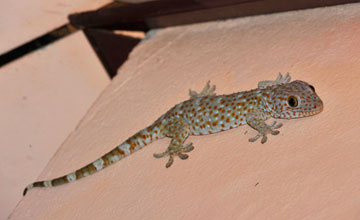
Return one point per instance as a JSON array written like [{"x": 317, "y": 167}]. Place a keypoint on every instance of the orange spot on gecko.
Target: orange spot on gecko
[
  {"x": 106, "y": 161},
  {"x": 121, "y": 152},
  {"x": 132, "y": 147}
]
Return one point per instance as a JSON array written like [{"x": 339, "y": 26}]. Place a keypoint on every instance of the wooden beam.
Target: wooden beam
[{"x": 164, "y": 13}]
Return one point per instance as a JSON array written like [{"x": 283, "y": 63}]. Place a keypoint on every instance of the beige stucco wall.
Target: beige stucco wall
[
  {"x": 310, "y": 171},
  {"x": 43, "y": 97}
]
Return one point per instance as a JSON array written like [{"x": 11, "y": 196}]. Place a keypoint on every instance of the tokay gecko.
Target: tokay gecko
[{"x": 208, "y": 113}]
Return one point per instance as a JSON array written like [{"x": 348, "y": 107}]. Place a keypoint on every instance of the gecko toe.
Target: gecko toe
[
  {"x": 253, "y": 139},
  {"x": 264, "y": 139},
  {"x": 183, "y": 156},
  {"x": 170, "y": 162},
  {"x": 274, "y": 125},
  {"x": 160, "y": 155},
  {"x": 275, "y": 132},
  {"x": 277, "y": 126},
  {"x": 189, "y": 147}
]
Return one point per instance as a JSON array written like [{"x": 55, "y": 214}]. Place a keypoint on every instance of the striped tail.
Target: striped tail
[{"x": 131, "y": 145}]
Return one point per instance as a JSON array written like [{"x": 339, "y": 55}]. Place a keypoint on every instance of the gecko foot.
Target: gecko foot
[
  {"x": 270, "y": 129},
  {"x": 208, "y": 90},
  {"x": 173, "y": 150}
]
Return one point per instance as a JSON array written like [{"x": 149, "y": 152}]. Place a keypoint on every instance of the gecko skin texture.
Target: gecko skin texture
[{"x": 207, "y": 113}]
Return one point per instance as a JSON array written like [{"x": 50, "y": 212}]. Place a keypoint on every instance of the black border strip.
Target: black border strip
[{"x": 37, "y": 43}]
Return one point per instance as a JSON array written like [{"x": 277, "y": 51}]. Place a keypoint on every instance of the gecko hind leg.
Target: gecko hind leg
[
  {"x": 208, "y": 90},
  {"x": 175, "y": 150},
  {"x": 178, "y": 131}
]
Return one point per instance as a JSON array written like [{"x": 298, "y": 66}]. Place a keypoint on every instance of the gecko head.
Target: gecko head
[{"x": 295, "y": 100}]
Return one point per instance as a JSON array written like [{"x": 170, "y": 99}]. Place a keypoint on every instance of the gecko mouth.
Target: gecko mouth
[
  {"x": 316, "y": 110},
  {"x": 312, "y": 113}
]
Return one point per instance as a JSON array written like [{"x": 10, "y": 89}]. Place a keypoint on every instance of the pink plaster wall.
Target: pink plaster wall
[
  {"x": 22, "y": 21},
  {"x": 310, "y": 171},
  {"x": 43, "y": 97}
]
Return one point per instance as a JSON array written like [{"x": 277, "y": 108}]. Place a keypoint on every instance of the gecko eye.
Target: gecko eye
[
  {"x": 293, "y": 101},
  {"x": 312, "y": 88}
]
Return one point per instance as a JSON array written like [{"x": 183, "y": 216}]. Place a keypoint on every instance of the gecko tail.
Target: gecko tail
[
  {"x": 27, "y": 188},
  {"x": 35, "y": 184},
  {"x": 131, "y": 145}
]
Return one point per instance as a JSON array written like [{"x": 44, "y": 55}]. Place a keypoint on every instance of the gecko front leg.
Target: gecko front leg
[
  {"x": 279, "y": 80},
  {"x": 208, "y": 90},
  {"x": 178, "y": 130},
  {"x": 256, "y": 120}
]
